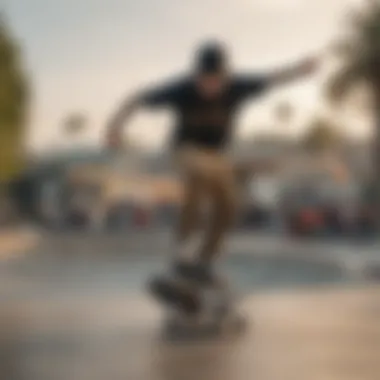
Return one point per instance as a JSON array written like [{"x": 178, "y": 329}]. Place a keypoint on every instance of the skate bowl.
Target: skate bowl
[{"x": 77, "y": 316}]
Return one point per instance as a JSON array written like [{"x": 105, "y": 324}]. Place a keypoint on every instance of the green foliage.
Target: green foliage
[
  {"x": 321, "y": 135},
  {"x": 13, "y": 103},
  {"x": 359, "y": 54}
]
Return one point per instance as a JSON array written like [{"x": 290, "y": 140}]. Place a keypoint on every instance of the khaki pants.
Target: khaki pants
[{"x": 208, "y": 177}]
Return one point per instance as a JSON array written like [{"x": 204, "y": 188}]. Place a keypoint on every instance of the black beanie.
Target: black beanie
[{"x": 211, "y": 58}]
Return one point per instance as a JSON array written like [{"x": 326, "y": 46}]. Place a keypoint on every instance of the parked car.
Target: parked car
[
  {"x": 120, "y": 216},
  {"x": 255, "y": 216},
  {"x": 165, "y": 214}
]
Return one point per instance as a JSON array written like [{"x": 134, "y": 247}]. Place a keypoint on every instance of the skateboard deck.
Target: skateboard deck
[{"x": 190, "y": 316}]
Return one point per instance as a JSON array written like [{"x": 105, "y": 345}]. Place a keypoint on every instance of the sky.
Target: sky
[{"x": 87, "y": 55}]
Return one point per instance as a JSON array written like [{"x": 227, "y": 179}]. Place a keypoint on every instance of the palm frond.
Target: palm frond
[
  {"x": 322, "y": 134},
  {"x": 360, "y": 45},
  {"x": 342, "y": 82}
]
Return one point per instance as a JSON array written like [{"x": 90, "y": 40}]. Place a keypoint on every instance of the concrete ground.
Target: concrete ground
[
  {"x": 15, "y": 241},
  {"x": 56, "y": 323},
  {"x": 315, "y": 335}
]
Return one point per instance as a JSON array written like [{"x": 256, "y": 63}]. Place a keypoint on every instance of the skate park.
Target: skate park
[
  {"x": 263, "y": 111},
  {"x": 83, "y": 312}
]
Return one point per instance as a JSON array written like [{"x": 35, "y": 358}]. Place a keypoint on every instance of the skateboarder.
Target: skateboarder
[{"x": 206, "y": 103}]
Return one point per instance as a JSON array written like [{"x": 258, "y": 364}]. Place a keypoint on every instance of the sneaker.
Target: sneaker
[
  {"x": 167, "y": 292},
  {"x": 198, "y": 273}
]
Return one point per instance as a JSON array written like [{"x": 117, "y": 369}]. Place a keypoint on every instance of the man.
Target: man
[{"x": 206, "y": 103}]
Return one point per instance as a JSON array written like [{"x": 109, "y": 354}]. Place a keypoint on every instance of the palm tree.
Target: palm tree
[
  {"x": 283, "y": 113},
  {"x": 321, "y": 136},
  {"x": 74, "y": 123},
  {"x": 359, "y": 53}
]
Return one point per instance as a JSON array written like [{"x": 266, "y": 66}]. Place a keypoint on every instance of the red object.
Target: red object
[
  {"x": 140, "y": 217},
  {"x": 311, "y": 218}
]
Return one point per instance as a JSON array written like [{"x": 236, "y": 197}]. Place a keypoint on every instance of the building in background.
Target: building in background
[{"x": 96, "y": 185}]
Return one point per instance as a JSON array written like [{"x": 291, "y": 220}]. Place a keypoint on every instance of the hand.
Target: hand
[
  {"x": 114, "y": 139},
  {"x": 304, "y": 68},
  {"x": 308, "y": 66}
]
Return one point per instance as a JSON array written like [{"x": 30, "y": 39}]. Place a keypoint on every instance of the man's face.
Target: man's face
[{"x": 211, "y": 85}]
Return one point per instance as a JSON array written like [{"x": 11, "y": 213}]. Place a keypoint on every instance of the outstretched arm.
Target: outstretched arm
[
  {"x": 300, "y": 70},
  {"x": 165, "y": 95},
  {"x": 121, "y": 116},
  {"x": 253, "y": 85}
]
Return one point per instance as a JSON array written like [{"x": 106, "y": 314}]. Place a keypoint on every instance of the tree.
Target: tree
[
  {"x": 359, "y": 54},
  {"x": 283, "y": 113},
  {"x": 75, "y": 123},
  {"x": 321, "y": 135},
  {"x": 13, "y": 103}
]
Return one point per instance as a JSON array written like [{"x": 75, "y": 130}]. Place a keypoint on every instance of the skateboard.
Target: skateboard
[{"x": 195, "y": 312}]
